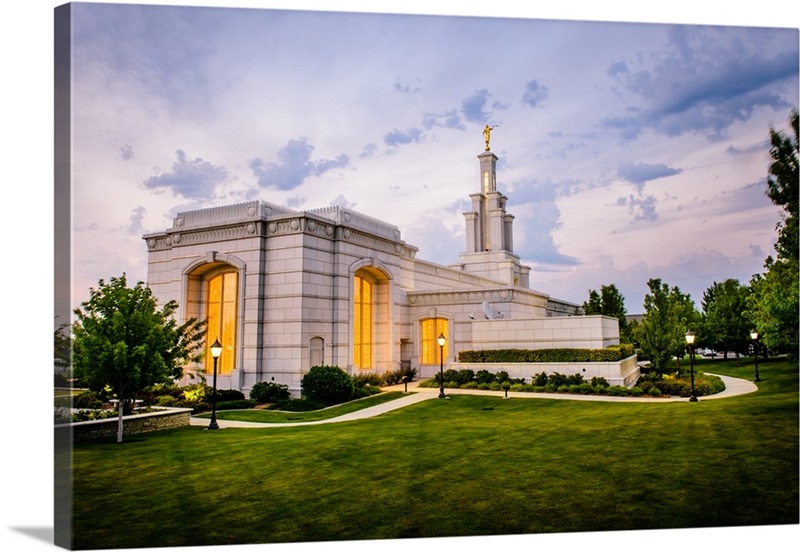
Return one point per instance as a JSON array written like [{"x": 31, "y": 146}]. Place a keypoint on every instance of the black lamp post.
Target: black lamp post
[
  {"x": 754, "y": 336},
  {"x": 690, "y": 342},
  {"x": 441, "y": 340},
  {"x": 216, "y": 350}
]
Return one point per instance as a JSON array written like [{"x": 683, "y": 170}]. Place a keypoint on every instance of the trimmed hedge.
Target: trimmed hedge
[{"x": 614, "y": 353}]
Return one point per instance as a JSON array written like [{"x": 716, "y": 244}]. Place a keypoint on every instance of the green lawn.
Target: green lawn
[{"x": 469, "y": 465}]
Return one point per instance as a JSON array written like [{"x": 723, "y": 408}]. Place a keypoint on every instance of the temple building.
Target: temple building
[{"x": 284, "y": 290}]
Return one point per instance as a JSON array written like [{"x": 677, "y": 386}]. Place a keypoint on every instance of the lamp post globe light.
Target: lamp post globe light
[
  {"x": 754, "y": 336},
  {"x": 441, "y": 340},
  {"x": 216, "y": 351},
  {"x": 690, "y": 343}
]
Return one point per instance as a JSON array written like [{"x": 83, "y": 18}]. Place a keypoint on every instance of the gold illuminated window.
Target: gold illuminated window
[
  {"x": 430, "y": 330},
  {"x": 362, "y": 323},
  {"x": 222, "y": 302}
]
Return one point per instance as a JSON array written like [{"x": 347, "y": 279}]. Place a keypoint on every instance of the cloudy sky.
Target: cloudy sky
[{"x": 627, "y": 150}]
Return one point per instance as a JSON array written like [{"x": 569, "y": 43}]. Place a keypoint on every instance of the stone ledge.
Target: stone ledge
[{"x": 167, "y": 418}]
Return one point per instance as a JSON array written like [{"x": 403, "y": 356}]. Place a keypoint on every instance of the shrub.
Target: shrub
[
  {"x": 167, "y": 400},
  {"x": 635, "y": 391},
  {"x": 484, "y": 376},
  {"x": 654, "y": 392},
  {"x": 540, "y": 379},
  {"x": 470, "y": 385},
  {"x": 465, "y": 376},
  {"x": 575, "y": 379},
  {"x": 501, "y": 376},
  {"x": 585, "y": 388},
  {"x": 225, "y": 395},
  {"x": 517, "y": 387},
  {"x": 327, "y": 384},
  {"x": 269, "y": 392},
  {"x": 449, "y": 375},
  {"x": 599, "y": 381},
  {"x": 368, "y": 378},
  {"x": 87, "y": 399},
  {"x": 365, "y": 391},
  {"x": 197, "y": 393},
  {"x": 617, "y": 390}
]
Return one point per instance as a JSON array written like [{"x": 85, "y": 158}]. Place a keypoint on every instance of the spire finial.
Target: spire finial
[{"x": 487, "y": 132}]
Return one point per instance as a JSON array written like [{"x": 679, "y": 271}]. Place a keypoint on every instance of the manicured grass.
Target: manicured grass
[
  {"x": 470, "y": 465},
  {"x": 276, "y": 417}
]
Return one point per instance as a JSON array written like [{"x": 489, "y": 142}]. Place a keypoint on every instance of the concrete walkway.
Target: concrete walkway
[{"x": 733, "y": 387}]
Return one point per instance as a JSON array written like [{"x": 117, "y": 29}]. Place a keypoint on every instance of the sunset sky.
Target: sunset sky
[{"x": 627, "y": 150}]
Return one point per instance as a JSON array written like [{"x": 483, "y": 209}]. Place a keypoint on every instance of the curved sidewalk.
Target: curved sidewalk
[{"x": 733, "y": 387}]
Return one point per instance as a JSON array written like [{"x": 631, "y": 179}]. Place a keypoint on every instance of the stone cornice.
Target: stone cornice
[
  {"x": 281, "y": 224},
  {"x": 477, "y": 296}
]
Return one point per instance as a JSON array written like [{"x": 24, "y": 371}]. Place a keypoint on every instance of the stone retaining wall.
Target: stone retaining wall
[{"x": 168, "y": 418}]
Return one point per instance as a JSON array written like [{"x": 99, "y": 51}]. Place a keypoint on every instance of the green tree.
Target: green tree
[
  {"x": 782, "y": 187},
  {"x": 609, "y": 302},
  {"x": 725, "y": 324},
  {"x": 668, "y": 314},
  {"x": 122, "y": 341},
  {"x": 772, "y": 306}
]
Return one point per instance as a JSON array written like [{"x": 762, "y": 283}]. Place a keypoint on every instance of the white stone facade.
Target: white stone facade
[{"x": 295, "y": 297}]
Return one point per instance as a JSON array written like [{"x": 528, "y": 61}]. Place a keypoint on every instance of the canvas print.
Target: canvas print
[{"x": 342, "y": 277}]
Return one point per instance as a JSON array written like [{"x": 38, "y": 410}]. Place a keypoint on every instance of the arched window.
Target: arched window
[
  {"x": 430, "y": 330},
  {"x": 362, "y": 321},
  {"x": 222, "y": 304}
]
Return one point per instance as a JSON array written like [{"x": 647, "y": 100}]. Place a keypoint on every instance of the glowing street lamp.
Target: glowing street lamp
[
  {"x": 690, "y": 341},
  {"x": 441, "y": 340},
  {"x": 754, "y": 336},
  {"x": 216, "y": 351}
]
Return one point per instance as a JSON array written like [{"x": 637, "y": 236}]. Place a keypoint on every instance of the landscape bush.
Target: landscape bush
[
  {"x": 368, "y": 378},
  {"x": 365, "y": 391},
  {"x": 269, "y": 392},
  {"x": 327, "y": 384},
  {"x": 87, "y": 399},
  {"x": 396, "y": 376},
  {"x": 225, "y": 395}
]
